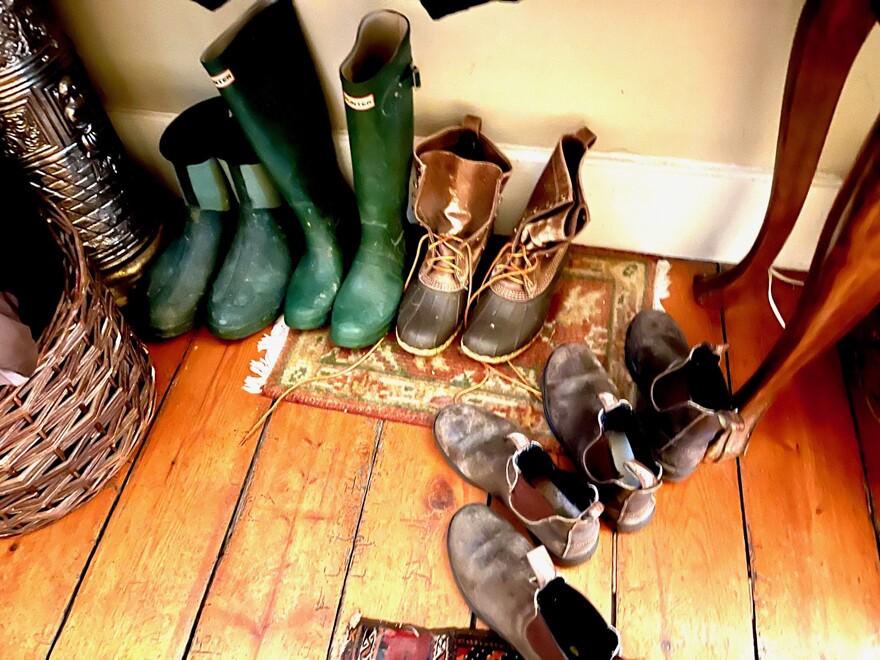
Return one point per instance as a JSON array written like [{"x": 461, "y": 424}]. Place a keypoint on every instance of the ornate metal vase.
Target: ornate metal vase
[{"x": 52, "y": 123}]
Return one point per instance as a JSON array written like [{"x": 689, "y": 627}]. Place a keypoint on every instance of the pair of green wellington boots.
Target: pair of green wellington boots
[
  {"x": 351, "y": 272},
  {"x": 232, "y": 256}
]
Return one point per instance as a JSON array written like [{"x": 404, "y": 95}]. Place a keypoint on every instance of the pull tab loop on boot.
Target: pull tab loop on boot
[
  {"x": 542, "y": 566},
  {"x": 586, "y": 136},
  {"x": 472, "y": 123}
]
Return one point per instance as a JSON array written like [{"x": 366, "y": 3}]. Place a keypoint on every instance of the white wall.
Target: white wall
[{"x": 683, "y": 79}]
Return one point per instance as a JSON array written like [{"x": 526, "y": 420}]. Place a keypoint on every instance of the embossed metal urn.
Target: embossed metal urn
[{"x": 52, "y": 123}]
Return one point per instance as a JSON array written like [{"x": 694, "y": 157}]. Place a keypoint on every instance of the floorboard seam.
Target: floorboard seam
[
  {"x": 125, "y": 480},
  {"x": 380, "y": 428},
  {"x": 846, "y": 371},
  {"x": 230, "y": 530},
  {"x": 742, "y": 506}
]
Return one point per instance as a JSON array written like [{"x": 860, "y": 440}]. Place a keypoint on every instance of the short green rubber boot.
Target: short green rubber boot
[
  {"x": 249, "y": 289},
  {"x": 179, "y": 277},
  {"x": 377, "y": 83},
  {"x": 263, "y": 68}
]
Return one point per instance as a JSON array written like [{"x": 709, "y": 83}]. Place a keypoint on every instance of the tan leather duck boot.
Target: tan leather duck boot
[
  {"x": 514, "y": 588},
  {"x": 602, "y": 436},
  {"x": 461, "y": 174},
  {"x": 560, "y": 508},
  {"x": 518, "y": 289}
]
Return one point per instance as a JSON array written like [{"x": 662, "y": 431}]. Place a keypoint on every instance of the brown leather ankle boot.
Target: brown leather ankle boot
[
  {"x": 518, "y": 288},
  {"x": 687, "y": 408},
  {"x": 461, "y": 174},
  {"x": 559, "y": 507},
  {"x": 602, "y": 435},
  {"x": 514, "y": 588}
]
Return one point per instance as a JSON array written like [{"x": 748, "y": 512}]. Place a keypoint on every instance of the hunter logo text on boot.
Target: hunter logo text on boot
[
  {"x": 367, "y": 102},
  {"x": 224, "y": 79}
]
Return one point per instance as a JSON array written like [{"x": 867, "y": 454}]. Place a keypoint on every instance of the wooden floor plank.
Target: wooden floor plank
[
  {"x": 167, "y": 357},
  {"x": 399, "y": 570},
  {"x": 41, "y": 570},
  {"x": 682, "y": 582},
  {"x": 277, "y": 588},
  {"x": 814, "y": 557},
  {"x": 144, "y": 586}
]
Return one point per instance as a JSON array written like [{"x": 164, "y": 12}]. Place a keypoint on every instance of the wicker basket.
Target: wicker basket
[{"x": 75, "y": 423}]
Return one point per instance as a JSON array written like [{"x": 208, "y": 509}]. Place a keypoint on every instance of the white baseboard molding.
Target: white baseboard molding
[{"x": 665, "y": 206}]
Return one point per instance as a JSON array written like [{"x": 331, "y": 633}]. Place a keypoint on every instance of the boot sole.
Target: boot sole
[
  {"x": 485, "y": 359},
  {"x": 426, "y": 352}
]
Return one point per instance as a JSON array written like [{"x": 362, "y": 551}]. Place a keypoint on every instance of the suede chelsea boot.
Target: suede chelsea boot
[
  {"x": 249, "y": 289},
  {"x": 560, "y": 508},
  {"x": 515, "y": 297},
  {"x": 178, "y": 279},
  {"x": 687, "y": 407},
  {"x": 602, "y": 435},
  {"x": 378, "y": 77},
  {"x": 514, "y": 588},
  {"x": 460, "y": 176},
  {"x": 263, "y": 68}
]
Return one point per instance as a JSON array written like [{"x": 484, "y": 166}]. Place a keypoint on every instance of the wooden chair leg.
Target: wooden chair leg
[
  {"x": 842, "y": 287},
  {"x": 828, "y": 38}
]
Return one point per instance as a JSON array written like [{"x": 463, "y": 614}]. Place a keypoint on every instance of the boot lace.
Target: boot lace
[
  {"x": 457, "y": 264},
  {"x": 512, "y": 263}
]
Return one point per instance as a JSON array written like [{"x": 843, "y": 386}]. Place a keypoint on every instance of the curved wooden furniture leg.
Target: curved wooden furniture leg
[
  {"x": 828, "y": 38},
  {"x": 842, "y": 287}
]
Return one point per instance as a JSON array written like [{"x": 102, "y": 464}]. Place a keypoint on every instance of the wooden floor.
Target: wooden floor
[{"x": 208, "y": 546}]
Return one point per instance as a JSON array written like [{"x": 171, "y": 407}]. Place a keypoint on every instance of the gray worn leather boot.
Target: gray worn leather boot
[
  {"x": 461, "y": 174},
  {"x": 602, "y": 435},
  {"x": 518, "y": 289},
  {"x": 516, "y": 591},
  {"x": 685, "y": 401},
  {"x": 558, "y": 507}
]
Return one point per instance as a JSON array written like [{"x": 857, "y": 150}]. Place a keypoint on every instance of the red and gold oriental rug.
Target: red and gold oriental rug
[
  {"x": 599, "y": 294},
  {"x": 370, "y": 639}
]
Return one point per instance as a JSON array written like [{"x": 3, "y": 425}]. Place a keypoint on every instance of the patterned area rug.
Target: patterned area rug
[
  {"x": 599, "y": 294},
  {"x": 369, "y": 639}
]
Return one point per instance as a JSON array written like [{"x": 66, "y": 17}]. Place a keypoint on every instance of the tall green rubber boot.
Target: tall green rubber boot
[
  {"x": 263, "y": 68},
  {"x": 249, "y": 289},
  {"x": 179, "y": 277},
  {"x": 378, "y": 77}
]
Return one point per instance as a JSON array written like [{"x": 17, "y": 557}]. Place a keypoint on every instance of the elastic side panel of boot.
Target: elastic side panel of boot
[{"x": 578, "y": 628}]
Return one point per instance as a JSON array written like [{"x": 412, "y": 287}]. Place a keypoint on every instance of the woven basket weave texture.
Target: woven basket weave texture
[{"x": 75, "y": 423}]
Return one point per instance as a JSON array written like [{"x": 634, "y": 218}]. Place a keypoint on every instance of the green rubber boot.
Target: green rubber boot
[
  {"x": 378, "y": 77},
  {"x": 249, "y": 289},
  {"x": 179, "y": 277},
  {"x": 263, "y": 68}
]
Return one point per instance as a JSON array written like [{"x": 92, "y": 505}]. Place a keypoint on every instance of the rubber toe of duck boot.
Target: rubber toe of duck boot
[
  {"x": 428, "y": 319},
  {"x": 501, "y": 329}
]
